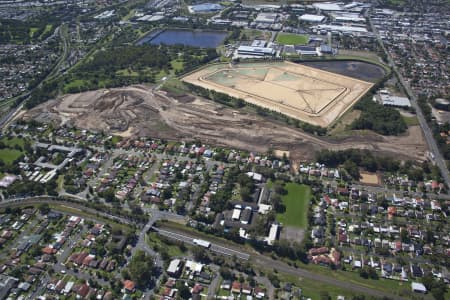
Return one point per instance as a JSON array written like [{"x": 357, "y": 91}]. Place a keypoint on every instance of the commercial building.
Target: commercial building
[
  {"x": 347, "y": 17},
  {"x": 312, "y": 18},
  {"x": 205, "y": 8},
  {"x": 305, "y": 50},
  {"x": 342, "y": 28},
  {"x": 389, "y": 100},
  {"x": 328, "y": 6},
  {"x": 266, "y": 18},
  {"x": 259, "y": 43},
  {"x": 255, "y": 51}
]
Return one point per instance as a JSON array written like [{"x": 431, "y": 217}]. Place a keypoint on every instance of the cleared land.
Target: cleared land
[
  {"x": 369, "y": 178},
  {"x": 292, "y": 39},
  {"x": 139, "y": 111},
  {"x": 304, "y": 93},
  {"x": 296, "y": 202}
]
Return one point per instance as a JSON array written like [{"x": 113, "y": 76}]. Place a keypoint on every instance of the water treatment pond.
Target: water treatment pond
[
  {"x": 194, "y": 38},
  {"x": 356, "y": 69}
]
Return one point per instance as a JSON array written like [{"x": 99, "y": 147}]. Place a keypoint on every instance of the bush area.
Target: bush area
[
  {"x": 123, "y": 66},
  {"x": 134, "y": 64},
  {"x": 381, "y": 119},
  {"x": 19, "y": 32},
  {"x": 353, "y": 159}
]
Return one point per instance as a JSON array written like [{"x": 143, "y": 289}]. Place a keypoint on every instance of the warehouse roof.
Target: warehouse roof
[{"x": 312, "y": 18}]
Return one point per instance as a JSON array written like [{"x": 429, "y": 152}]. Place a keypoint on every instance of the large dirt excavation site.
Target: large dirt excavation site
[
  {"x": 140, "y": 111},
  {"x": 308, "y": 94}
]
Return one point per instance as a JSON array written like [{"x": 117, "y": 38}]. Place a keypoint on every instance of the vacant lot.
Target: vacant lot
[
  {"x": 296, "y": 202},
  {"x": 292, "y": 39},
  {"x": 369, "y": 178},
  {"x": 304, "y": 93}
]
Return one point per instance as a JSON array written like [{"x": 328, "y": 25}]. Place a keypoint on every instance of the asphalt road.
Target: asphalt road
[{"x": 432, "y": 145}]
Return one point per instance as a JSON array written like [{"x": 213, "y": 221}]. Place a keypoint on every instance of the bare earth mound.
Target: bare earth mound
[
  {"x": 139, "y": 111},
  {"x": 308, "y": 94}
]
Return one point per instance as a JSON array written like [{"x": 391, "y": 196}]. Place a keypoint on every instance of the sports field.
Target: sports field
[
  {"x": 292, "y": 39},
  {"x": 296, "y": 202},
  {"x": 304, "y": 93}
]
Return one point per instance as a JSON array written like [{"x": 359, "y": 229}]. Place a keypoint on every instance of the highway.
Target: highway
[{"x": 432, "y": 145}]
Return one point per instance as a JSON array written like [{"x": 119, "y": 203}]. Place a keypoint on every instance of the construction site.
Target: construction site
[
  {"x": 141, "y": 111},
  {"x": 308, "y": 94}
]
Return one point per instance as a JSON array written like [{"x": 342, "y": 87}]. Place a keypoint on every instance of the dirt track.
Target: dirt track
[{"x": 138, "y": 111}]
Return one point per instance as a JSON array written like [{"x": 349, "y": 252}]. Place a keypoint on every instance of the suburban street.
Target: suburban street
[
  {"x": 428, "y": 134},
  {"x": 259, "y": 259}
]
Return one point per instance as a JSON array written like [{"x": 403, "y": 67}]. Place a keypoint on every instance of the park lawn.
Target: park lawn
[
  {"x": 8, "y": 156},
  {"x": 116, "y": 139},
  {"x": 11, "y": 143},
  {"x": 177, "y": 65},
  {"x": 411, "y": 121},
  {"x": 32, "y": 31},
  {"x": 292, "y": 39},
  {"x": 77, "y": 83},
  {"x": 174, "y": 86},
  {"x": 127, "y": 72},
  {"x": 296, "y": 202},
  {"x": 48, "y": 27}
]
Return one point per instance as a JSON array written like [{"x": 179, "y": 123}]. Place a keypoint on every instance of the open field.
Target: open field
[
  {"x": 8, "y": 156},
  {"x": 292, "y": 39},
  {"x": 304, "y": 93},
  {"x": 369, "y": 178},
  {"x": 139, "y": 111},
  {"x": 296, "y": 202}
]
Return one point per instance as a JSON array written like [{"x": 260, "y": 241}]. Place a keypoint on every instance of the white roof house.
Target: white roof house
[
  {"x": 273, "y": 233},
  {"x": 174, "y": 266},
  {"x": 194, "y": 266},
  {"x": 236, "y": 214},
  {"x": 255, "y": 176},
  {"x": 418, "y": 287}
]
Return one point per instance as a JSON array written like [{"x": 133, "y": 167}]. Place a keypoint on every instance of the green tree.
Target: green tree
[{"x": 141, "y": 268}]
